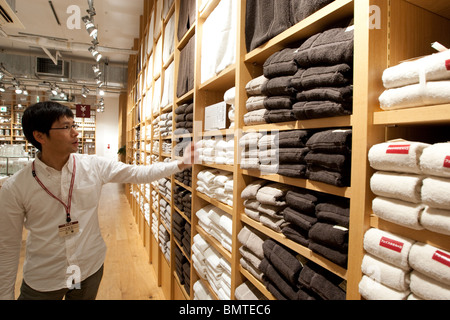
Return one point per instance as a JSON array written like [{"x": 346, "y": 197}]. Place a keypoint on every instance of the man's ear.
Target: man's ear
[{"x": 39, "y": 137}]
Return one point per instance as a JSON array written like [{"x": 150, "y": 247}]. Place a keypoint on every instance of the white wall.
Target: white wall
[{"x": 108, "y": 128}]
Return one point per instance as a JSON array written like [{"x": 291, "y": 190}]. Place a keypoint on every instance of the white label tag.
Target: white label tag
[{"x": 68, "y": 229}]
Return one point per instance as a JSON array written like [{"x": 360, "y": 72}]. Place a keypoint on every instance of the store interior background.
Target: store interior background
[{"x": 55, "y": 29}]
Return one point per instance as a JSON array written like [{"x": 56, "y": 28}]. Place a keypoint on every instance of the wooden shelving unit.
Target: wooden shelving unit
[{"x": 375, "y": 50}]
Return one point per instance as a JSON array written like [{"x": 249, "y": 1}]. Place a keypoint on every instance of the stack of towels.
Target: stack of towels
[
  {"x": 280, "y": 95},
  {"x": 182, "y": 200},
  {"x": 264, "y": 201},
  {"x": 211, "y": 266},
  {"x": 412, "y": 184},
  {"x": 166, "y": 147},
  {"x": 181, "y": 231},
  {"x": 185, "y": 177},
  {"x": 324, "y": 78},
  {"x": 284, "y": 153},
  {"x": 230, "y": 99},
  {"x": 329, "y": 158},
  {"x": 417, "y": 83},
  {"x": 165, "y": 211},
  {"x": 165, "y": 125},
  {"x": 399, "y": 268},
  {"x": 165, "y": 188},
  {"x": 250, "y": 155},
  {"x": 217, "y": 150},
  {"x": 164, "y": 241},
  {"x": 201, "y": 291},
  {"x": 183, "y": 269},
  {"x": 248, "y": 291},
  {"x": 184, "y": 119},
  {"x": 217, "y": 184},
  {"x": 255, "y": 103},
  {"x": 217, "y": 223},
  {"x": 251, "y": 250}
]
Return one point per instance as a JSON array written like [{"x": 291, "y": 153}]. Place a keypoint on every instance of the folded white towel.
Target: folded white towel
[
  {"x": 255, "y": 103},
  {"x": 273, "y": 194},
  {"x": 428, "y": 288},
  {"x": 416, "y": 95},
  {"x": 435, "y": 160},
  {"x": 247, "y": 291},
  {"x": 385, "y": 273},
  {"x": 397, "y": 211},
  {"x": 398, "y": 156},
  {"x": 250, "y": 164},
  {"x": 395, "y": 185},
  {"x": 254, "y": 86},
  {"x": 431, "y": 261},
  {"x": 373, "y": 290},
  {"x": 252, "y": 189},
  {"x": 389, "y": 247},
  {"x": 254, "y": 214},
  {"x": 253, "y": 240},
  {"x": 250, "y": 139},
  {"x": 229, "y": 96},
  {"x": 436, "y": 192},
  {"x": 433, "y": 67},
  {"x": 255, "y": 117},
  {"x": 436, "y": 220}
]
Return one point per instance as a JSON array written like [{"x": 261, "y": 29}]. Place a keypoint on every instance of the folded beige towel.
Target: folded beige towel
[
  {"x": 436, "y": 220},
  {"x": 436, "y": 192},
  {"x": 427, "y": 288},
  {"x": 373, "y": 290},
  {"x": 398, "y": 156},
  {"x": 395, "y": 185},
  {"x": 400, "y": 212},
  {"x": 430, "y": 261},
  {"x": 385, "y": 273},
  {"x": 435, "y": 160},
  {"x": 389, "y": 247}
]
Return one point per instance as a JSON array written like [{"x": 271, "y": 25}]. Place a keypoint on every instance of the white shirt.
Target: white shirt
[{"x": 49, "y": 258}]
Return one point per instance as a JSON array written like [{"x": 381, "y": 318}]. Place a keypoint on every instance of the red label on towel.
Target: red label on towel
[
  {"x": 447, "y": 162},
  {"x": 447, "y": 64},
  {"x": 398, "y": 148},
  {"x": 442, "y": 257},
  {"x": 391, "y": 244}
]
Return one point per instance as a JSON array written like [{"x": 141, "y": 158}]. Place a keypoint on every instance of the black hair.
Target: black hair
[{"x": 40, "y": 117}]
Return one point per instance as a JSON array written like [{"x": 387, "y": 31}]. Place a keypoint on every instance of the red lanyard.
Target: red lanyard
[{"x": 69, "y": 200}]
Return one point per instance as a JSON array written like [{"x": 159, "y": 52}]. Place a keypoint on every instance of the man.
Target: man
[{"x": 56, "y": 199}]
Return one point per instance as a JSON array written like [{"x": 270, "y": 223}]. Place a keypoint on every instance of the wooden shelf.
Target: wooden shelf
[{"x": 437, "y": 114}]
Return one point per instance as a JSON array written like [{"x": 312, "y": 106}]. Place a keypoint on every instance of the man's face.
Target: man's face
[{"x": 62, "y": 138}]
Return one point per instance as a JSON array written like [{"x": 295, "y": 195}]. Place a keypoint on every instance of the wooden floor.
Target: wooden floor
[{"x": 127, "y": 273}]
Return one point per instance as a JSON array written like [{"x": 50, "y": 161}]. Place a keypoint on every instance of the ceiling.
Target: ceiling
[{"x": 117, "y": 22}]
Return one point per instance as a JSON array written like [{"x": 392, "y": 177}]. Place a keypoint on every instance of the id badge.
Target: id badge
[{"x": 68, "y": 229}]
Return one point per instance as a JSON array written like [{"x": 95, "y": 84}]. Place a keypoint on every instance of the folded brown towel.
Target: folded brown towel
[
  {"x": 280, "y": 64},
  {"x": 331, "y": 141},
  {"x": 331, "y": 47},
  {"x": 321, "y": 174},
  {"x": 283, "y": 260},
  {"x": 181, "y": 109},
  {"x": 292, "y": 155},
  {"x": 321, "y": 281},
  {"x": 292, "y": 170},
  {"x": 306, "y": 110},
  {"x": 330, "y": 161},
  {"x": 279, "y": 102},
  {"x": 277, "y": 116},
  {"x": 332, "y": 236},
  {"x": 338, "y": 75},
  {"x": 293, "y": 138},
  {"x": 187, "y": 16},
  {"x": 302, "y": 200},
  {"x": 331, "y": 254},
  {"x": 336, "y": 94},
  {"x": 301, "y": 220},
  {"x": 289, "y": 291},
  {"x": 301, "y": 9},
  {"x": 280, "y": 86},
  {"x": 335, "y": 211},
  {"x": 296, "y": 234}
]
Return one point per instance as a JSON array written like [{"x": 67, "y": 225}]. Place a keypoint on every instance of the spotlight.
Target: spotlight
[
  {"x": 84, "y": 91},
  {"x": 25, "y": 91},
  {"x": 18, "y": 90},
  {"x": 2, "y": 88}
]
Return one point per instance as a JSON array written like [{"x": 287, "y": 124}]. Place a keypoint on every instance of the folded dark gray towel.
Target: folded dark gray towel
[
  {"x": 279, "y": 102},
  {"x": 289, "y": 291},
  {"x": 301, "y": 220},
  {"x": 280, "y": 86},
  {"x": 292, "y": 155},
  {"x": 273, "y": 289},
  {"x": 322, "y": 76},
  {"x": 306, "y": 110},
  {"x": 180, "y": 117},
  {"x": 331, "y": 254},
  {"x": 330, "y": 161},
  {"x": 189, "y": 108},
  {"x": 301, "y": 9},
  {"x": 292, "y": 170},
  {"x": 283, "y": 260},
  {"x": 185, "y": 81},
  {"x": 296, "y": 234},
  {"x": 321, "y": 281},
  {"x": 277, "y": 116},
  {"x": 336, "y": 211},
  {"x": 280, "y": 64},
  {"x": 336, "y": 94},
  {"x": 321, "y": 174},
  {"x": 304, "y": 201},
  {"x": 293, "y": 138},
  {"x": 331, "y": 47},
  {"x": 187, "y": 17},
  {"x": 331, "y": 236},
  {"x": 181, "y": 109},
  {"x": 331, "y": 141}
]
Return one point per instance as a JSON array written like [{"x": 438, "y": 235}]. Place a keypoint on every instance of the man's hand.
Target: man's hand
[{"x": 189, "y": 156}]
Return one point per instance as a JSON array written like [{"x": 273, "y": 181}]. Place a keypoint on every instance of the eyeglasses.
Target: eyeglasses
[{"x": 67, "y": 127}]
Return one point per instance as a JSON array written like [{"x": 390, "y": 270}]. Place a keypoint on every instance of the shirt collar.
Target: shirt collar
[{"x": 68, "y": 166}]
